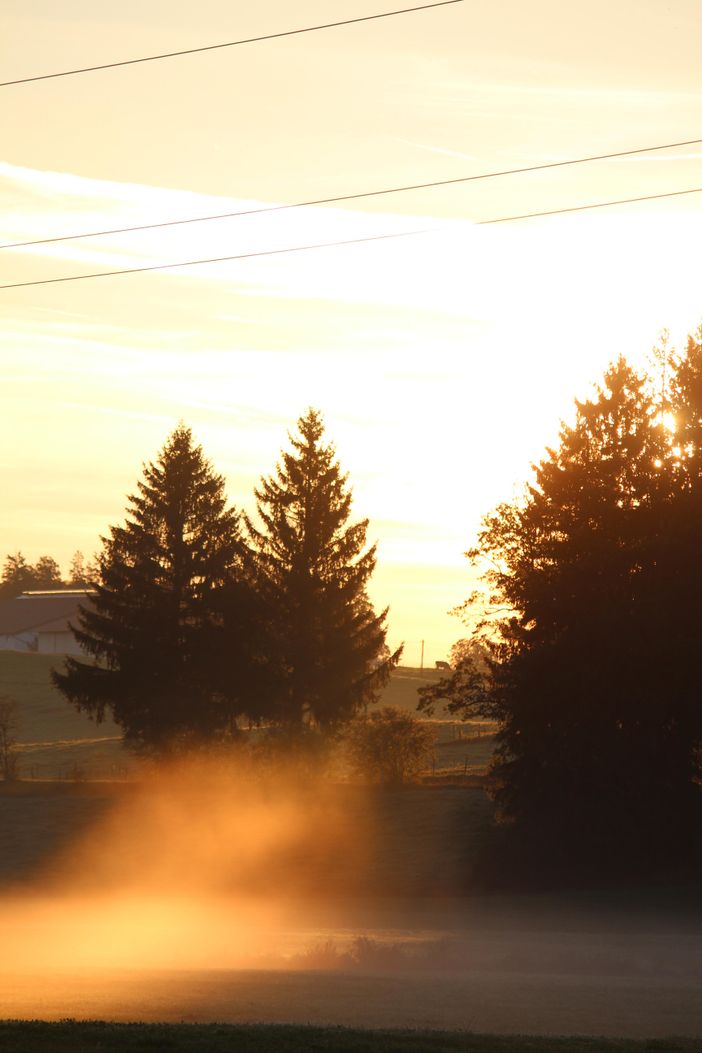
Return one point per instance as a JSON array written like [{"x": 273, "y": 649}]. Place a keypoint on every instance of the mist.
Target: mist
[
  {"x": 198, "y": 863},
  {"x": 214, "y": 890}
]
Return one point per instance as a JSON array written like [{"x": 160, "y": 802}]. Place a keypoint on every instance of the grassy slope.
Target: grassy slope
[
  {"x": 401, "y": 691},
  {"x": 44, "y": 715},
  {"x": 469, "y": 754},
  {"x": 56, "y": 740},
  {"x": 72, "y": 1037},
  {"x": 59, "y": 742}
]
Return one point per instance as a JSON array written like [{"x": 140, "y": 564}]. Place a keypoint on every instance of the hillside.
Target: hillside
[
  {"x": 401, "y": 690},
  {"x": 462, "y": 747},
  {"x": 57, "y": 742}
]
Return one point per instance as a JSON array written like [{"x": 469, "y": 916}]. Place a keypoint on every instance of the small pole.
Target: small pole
[{"x": 421, "y": 661}]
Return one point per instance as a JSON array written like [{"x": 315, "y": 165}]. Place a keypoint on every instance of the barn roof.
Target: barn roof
[{"x": 41, "y": 611}]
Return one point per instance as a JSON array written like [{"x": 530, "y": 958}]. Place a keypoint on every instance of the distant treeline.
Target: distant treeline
[{"x": 20, "y": 576}]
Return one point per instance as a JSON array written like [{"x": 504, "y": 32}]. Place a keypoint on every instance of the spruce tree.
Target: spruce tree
[
  {"x": 164, "y": 665},
  {"x": 327, "y": 656},
  {"x": 592, "y": 672},
  {"x": 571, "y": 685}
]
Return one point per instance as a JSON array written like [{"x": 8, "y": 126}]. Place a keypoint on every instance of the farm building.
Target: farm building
[{"x": 41, "y": 621}]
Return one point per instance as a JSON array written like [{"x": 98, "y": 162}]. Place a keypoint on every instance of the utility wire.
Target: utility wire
[
  {"x": 217, "y": 259},
  {"x": 583, "y": 208},
  {"x": 350, "y": 241},
  {"x": 348, "y": 197},
  {"x": 230, "y": 43}
]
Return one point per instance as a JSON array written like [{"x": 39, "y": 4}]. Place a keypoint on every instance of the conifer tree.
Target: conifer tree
[
  {"x": 17, "y": 576},
  {"x": 164, "y": 665},
  {"x": 570, "y": 684},
  {"x": 592, "y": 670},
  {"x": 327, "y": 656}
]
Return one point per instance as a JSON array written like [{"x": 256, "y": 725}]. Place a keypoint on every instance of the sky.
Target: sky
[{"x": 442, "y": 360}]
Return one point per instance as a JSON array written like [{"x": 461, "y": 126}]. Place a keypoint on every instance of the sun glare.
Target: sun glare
[{"x": 669, "y": 422}]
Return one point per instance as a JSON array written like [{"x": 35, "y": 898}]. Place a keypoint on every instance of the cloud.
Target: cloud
[{"x": 441, "y": 150}]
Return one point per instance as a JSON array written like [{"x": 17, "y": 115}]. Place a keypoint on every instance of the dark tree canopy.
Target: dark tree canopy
[
  {"x": 81, "y": 574},
  {"x": 47, "y": 573},
  {"x": 164, "y": 665},
  {"x": 593, "y": 671},
  {"x": 20, "y": 576},
  {"x": 17, "y": 576},
  {"x": 327, "y": 656}
]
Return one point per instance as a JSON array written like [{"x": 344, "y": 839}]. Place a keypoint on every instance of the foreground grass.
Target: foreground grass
[{"x": 70, "y": 1036}]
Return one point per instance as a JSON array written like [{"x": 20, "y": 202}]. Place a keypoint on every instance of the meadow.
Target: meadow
[
  {"x": 370, "y": 911},
  {"x": 58, "y": 743},
  {"x": 54, "y": 740},
  {"x": 405, "y": 831}
]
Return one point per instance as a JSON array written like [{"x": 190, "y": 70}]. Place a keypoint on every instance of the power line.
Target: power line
[
  {"x": 230, "y": 43},
  {"x": 350, "y": 241},
  {"x": 217, "y": 259},
  {"x": 349, "y": 197},
  {"x": 583, "y": 208}
]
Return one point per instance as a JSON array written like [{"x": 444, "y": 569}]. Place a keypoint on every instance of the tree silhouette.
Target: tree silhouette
[
  {"x": 47, "y": 574},
  {"x": 164, "y": 664},
  {"x": 17, "y": 576},
  {"x": 326, "y": 656},
  {"x": 592, "y": 669},
  {"x": 81, "y": 574},
  {"x": 20, "y": 576}
]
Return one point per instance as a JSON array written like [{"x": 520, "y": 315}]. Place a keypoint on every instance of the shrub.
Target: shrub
[{"x": 390, "y": 746}]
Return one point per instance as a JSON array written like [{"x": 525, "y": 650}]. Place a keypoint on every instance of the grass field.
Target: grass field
[
  {"x": 405, "y": 832},
  {"x": 89, "y": 1037},
  {"x": 401, "y": 690},
  {"x": 57, "y": 742},
  {"x": 392, "y": 929},
  {"x": 439, "y": 951}
]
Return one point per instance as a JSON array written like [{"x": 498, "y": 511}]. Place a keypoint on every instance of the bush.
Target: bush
[{"x": 389, "y": 747}]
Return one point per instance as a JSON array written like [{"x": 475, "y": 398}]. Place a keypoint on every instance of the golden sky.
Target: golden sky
[{"x": 442, "y": 361}]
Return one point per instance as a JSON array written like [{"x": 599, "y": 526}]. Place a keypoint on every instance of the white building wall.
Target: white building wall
[
  {"x": 58, "y": 643},
  {"x": 19, "y": 642}
]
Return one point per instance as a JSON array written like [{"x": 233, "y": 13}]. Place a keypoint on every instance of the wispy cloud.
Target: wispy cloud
[{"x": 444, "y": 151}]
